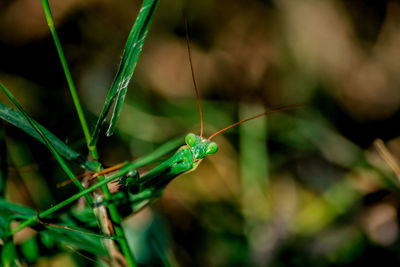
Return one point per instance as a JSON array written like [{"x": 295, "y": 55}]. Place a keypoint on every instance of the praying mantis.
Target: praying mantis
[
  {"x": 145, "y": 188},
  {"x": 135, "y": 190},
  {"x": 140, "y": 190}
]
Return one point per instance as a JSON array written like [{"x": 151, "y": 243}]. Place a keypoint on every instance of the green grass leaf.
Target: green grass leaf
[
  {"x": 30, "y": 250},
  {"x": 46, "y": 141},
  {"x": 7, "y": 248},
  {"x": 17, "y": 119},
  {"x": 10, "y": 211},
  {"x": 78, "y": 240},
  {"x": 71, "y": 85},
  {"x": 22, "y": 211},
  {"x": 130, "y": 56},
  {"x": 6, "y": 217},
  {"x": 3, "y": 164},
  {"x": 9, "y": 255}
]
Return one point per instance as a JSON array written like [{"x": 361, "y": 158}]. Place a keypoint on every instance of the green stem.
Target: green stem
[
  {"x": 123, "y": 242},
  {"x": 69, "y": 200},
  {"x": 115, "y": 217},
  {"x": 52, "y": 149},
  {"x": 78, "y": 107},
  {"x": 121, "y": 238},
  {"x": 116, "y": 220}
]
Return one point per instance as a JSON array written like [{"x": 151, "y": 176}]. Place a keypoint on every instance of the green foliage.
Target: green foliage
[
  {"x": 23, "y": 121},
  {"x": 46, "y": 141},
  {"x": 9, "y": 255},
  {"x": 51, "y": 24},
  {"x": 290, "y": 190},
  {"x": 130, "y": 57},
  {"x": 3, "y": 164},
  {"x": 78, "y": 240},
  {"x": 19, "y": 210},
  {"x": 18, "y": 119},
  {"x": 30, "y": 250},
  {"x": 5, "y": 221}
]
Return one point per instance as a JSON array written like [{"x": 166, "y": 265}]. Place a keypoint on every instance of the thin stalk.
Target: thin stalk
[
  {"x": 52, "y": 149},
  {"x": 115, "y": 217},
  {"x": 116, "y": 220},
  {"x": 78, "y": 107},
  {"x": 69, "y": 200},
  {"x": 121, "y": 238}
]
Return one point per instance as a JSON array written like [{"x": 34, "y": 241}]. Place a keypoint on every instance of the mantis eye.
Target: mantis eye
[
  {"x": 212, "y": 148},
  {"x": 190, "y": 139}
]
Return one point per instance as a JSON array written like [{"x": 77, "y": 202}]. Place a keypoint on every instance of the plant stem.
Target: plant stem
[
  {"x": 69, "y": 200},
  {"x": 50, "y": 146},
  {"x": 116, "y": 220},
  {"x": 78, "y": 107},
  {"x": 113, "y": 213},
  {"x": 115, "y": 217}
]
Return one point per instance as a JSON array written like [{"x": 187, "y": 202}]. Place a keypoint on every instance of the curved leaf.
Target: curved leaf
[
  {"x": 17, "y": 119},
  {"x": 6, "y": 217},
  {"x": 9, "y": 255},
  {"x": 77, "y": 240},
  {"x": 130, "y": 56},
  {"x": 3, "y": 164},
  {"x": 22, "y": 211}
]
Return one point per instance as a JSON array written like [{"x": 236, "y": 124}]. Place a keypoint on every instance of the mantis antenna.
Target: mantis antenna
[
  {"x": 198, "y": 95},
  {"x": 193, "y": 75},
  {"x": 257, "y": 116}
]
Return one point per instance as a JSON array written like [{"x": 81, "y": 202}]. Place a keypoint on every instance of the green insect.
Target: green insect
[
  {"x": 139, "y": 190},
  {"x": 135, "y": 190},
  {"x": 185, "y": 160},
  {"x": 143, "y": 189}
]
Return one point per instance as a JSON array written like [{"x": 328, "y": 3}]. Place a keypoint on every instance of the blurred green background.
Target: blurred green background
[{"x": 301, "y": 188}]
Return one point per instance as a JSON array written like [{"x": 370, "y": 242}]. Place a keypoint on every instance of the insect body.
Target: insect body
[
  {"x": 138, "y": 189},
  {"x": 186, "y": 159},
  {"x": 145, "y": 188}
]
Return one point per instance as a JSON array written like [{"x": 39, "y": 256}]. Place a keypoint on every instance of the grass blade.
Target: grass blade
[
  {"x": 10, "y": 211},
  {"x": 16, "y": 209},
  {"x": 5, "y": 221},
  {"x": 3, "y": 164},
  {"x": 47, "y": 142},
  {"x": 71, "y": 85},
  {"x": 123, "y": 171},
  {"x": 17, "y": 119},
  {"x": 130, "y": 56},
  {"x": 79, "y": 241},
  {"x": 9, "y": 255}
]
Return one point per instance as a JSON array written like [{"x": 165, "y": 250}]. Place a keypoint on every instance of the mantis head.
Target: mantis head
[{"x": 200, "y": 146}]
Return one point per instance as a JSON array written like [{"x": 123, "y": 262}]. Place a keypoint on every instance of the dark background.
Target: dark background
[{"x": 301, "y": 188}]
